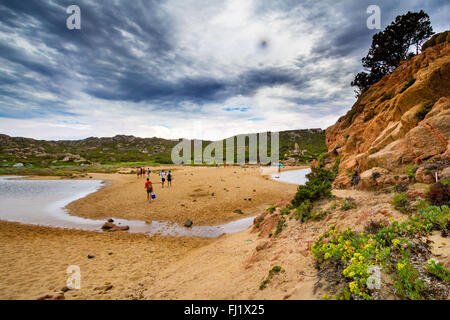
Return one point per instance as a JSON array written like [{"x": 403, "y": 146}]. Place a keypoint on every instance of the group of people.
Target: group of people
[
  {"x": 148, "y": 184},
  {"x": 141, "y": 172}
]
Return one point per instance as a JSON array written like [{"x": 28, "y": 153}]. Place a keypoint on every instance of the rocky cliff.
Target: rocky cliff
[{"x": 399, "y": 128}]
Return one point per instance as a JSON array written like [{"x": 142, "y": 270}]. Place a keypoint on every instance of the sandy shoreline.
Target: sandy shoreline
[
  {"x": 205, "y": 195},
  {"x": 35, "y": 258}
]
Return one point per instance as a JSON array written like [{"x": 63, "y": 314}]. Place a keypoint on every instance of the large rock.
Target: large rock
[
  {"x": 390, "y": 133},
  {"x": 374, "y": 178},
  {"x": 424, "y": 176},
  {"x": 111, "y": 227},
  {"x": 445, "y": 173}
]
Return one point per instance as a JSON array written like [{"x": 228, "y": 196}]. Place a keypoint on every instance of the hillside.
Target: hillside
[
  {"x": 399, "y": 128},
  {"x": 295, "y": 145}
]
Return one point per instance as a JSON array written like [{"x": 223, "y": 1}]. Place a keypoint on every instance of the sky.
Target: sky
[{"x": 204, "y": 69}]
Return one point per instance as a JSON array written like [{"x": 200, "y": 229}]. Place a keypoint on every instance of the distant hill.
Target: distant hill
[{"x": 295, "y": 145}]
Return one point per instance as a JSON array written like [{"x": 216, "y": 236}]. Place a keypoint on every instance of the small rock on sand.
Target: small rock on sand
[
  {"x": 188, "y": 223},
  {"x": 58, "y": 296},
  {"x": 238, "y": 211}
]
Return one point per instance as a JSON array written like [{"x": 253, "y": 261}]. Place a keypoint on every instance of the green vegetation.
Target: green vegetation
[
  {"x": 439, "y": 194},
  {"x": 387, "y": 96},
  {"x": 280, "y": 226},
  {"x": 304, "y": 211},
  {"x": 274, "y": 271},
  {"x": 407, "y": 281},
  {"x": 408, "y": 84},
  {"x": 437, "y": 39},
  {"x": 410, "y": 170},
  {"x": 401, "y": 202},
  {"x": 318, "y": 185},
  {"x": 437, "y": 269},
  {"x": 63, "y": 171},
  {"x": 395, "y": 249},
  {"x": 258, "y": 222},
  {"x": 426, "y": 108},
  {"x": 271, "y": 209},
  {"x": 391, "y": 46},
  {"x": 310, "y": 143},
  {"x": 348, "y": 204},
  {"x": 303, "y": 145}
]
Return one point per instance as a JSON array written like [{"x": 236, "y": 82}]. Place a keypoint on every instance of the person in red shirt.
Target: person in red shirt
[{"x": 149, "y": 188}]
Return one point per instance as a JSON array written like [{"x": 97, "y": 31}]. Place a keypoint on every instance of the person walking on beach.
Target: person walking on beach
[
  {"x": 163, "y": 177},
  {"x": 148, "y": 172},
  {"x": 169, "y": 179},
  {"x": 149, "y": 187}
]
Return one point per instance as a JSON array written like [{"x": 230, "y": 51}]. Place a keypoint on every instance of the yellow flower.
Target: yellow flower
[
  {"x": 400, "y": 266},
  {"x": 353, "y": 286}
]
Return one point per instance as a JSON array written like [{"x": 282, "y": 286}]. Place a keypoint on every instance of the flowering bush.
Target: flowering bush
[{"x": 356, "y": 252}]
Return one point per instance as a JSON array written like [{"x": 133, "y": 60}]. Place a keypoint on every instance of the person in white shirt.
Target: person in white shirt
[{"x": 163, "y": 177}]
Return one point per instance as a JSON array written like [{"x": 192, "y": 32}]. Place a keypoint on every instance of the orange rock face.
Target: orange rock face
[{"x": 404, "y": 119}]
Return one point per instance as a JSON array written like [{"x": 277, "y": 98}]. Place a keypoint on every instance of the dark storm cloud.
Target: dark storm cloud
[{"x": 128, "y": 52}]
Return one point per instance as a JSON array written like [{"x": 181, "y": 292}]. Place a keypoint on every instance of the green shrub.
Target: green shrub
[
  {"x": 348, "y": 204},
  {"x": 318, "y": 186},
  {"x": 271, "y": 209},
  {"x": 401, "y": 202},
  {"x": 304, "y": 211},
  {"x": 275, "y": 270},
  {"x": 426, "y": 108},
  {"x": 407, "y": 282},
  {"x": 352, "y": 253},
  {"x": 410, "y": 170},
  {"x": 439, "y": 194},
  {"x": 438, "y": 270},
  {"x": 429, "y": 219},
  {"x": 280, "y": 226},
  {"x": 258, "y": 222}
]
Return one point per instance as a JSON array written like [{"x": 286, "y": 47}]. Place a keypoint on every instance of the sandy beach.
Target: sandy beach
[
  {"x": 34, "y": 260},
  {"x": 37, "y": 257},
  {"x": 205, "y": 195}
]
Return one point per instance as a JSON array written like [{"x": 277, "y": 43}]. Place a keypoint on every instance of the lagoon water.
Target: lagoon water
[
  {"x": 292, "y": 176},
  {"x": 42, "y": 202}
]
